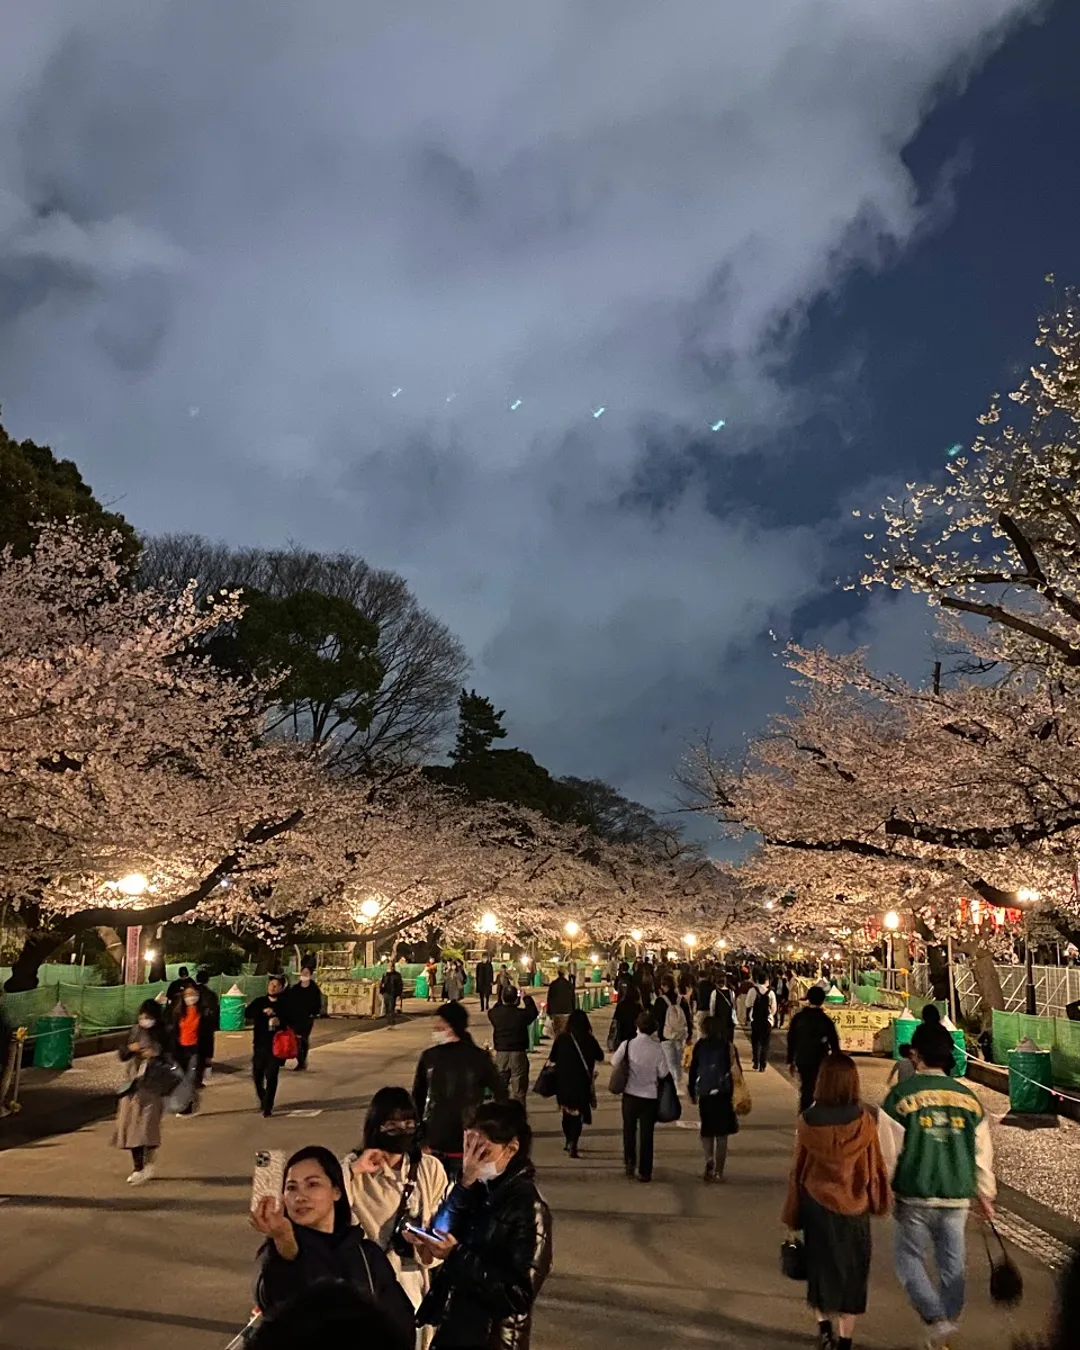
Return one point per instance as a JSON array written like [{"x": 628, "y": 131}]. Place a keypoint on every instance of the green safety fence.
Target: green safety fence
[
  {"x": 1056, "y": 1034},
  {"x": 53, "y": 972},
  {"x": 98, "y": 1008}
]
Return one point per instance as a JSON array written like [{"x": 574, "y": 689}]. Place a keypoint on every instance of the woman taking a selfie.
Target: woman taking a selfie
[
  {"x": 496, "y": 1253},
  {"x": 390, "y": 1182},
  {"x": 310, "y": 1237}
]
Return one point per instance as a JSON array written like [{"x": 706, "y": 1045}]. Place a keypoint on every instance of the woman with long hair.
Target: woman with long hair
[
  {"x": 390, "y": 1181},
  {"x": 838, "y": 1180},
  {"x": 575, "y": 1055},
  {"x": 496, "y": 1243},
  {"x": 141, "y": 1103},
  {"x": 310, "y": 1238},
  {"x": 712, "y": 1086}
]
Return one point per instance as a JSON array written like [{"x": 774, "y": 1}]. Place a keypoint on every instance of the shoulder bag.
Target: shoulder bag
[
  {"x": 620, "y": 1073},
  {"x": 545, "y": 1085},
  {"x": 589, "y": 1073}
]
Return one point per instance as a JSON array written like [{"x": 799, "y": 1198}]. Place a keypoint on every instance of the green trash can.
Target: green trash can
[
  {"x": 421, "y": 987},
  {"x": 232, "y": 1010},
  {"x": 903, "y": 1030},
  {"x": 54, "y": 1043},
  {"x": 1030, "y": 1078}
]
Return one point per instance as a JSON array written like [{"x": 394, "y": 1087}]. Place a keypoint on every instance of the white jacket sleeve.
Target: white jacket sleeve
[{"x": 985, "y": 1181}]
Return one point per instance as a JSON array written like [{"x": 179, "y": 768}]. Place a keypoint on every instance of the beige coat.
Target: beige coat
[
  {"x": 138, "y": 1113},
  {"x": 374, "y": 1201}
]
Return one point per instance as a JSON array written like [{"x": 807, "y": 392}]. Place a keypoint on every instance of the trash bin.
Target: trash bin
[
  {"x": 960, "y": 1041},
  {"x": 54, "y": 1043},
  {"x": 232, "y": 1010},
  {"x": 834, "y": 995},
  {"x": 421, "y": 988},
  {"x": 1030, "y": 1077}
]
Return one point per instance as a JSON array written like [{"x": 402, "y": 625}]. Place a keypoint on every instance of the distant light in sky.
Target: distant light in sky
[
  {"x": 395, "y": 393},
  {"x": 451, "y": 398},
  {"x": 719, "y": 425},
  {"x": 955, "y": 450},
  {"x": 599, "y": 412},
  {"x": 515, "y": 405}
]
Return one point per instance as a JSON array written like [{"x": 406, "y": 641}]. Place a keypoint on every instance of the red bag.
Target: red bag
[{"x": 285, "y": 1045}]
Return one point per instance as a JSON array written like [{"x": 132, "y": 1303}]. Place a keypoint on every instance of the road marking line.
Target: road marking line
[{"x": 304, "y": 1115}]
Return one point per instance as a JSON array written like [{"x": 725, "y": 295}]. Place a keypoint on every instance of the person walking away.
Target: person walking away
[
  {"x": 140, "y": 1107},
  {"x": 268, "y": 1016},
  {"x": 431, "y": 970},
  {"x": 575, "y": 1055},
  {"x": 510, "y": 1021},
  {"x": 452, "y": 1076},
  {"x": 711, "y": 1086},
  {"x": 761, "y": 1017},
  {"x": 485, "y": 982},
  {"x": 704, "y": 998},
  {"x": 391, "y": 986},
  {"x": 390, "y": 1181},
  {"x": 211, "y": 1011},
  {"x": 811, "y": 1036},
  {"x": 783, "y": 1000},
  {"x": 838, "y": 1180},
  {"x": 672, "y": 1029},
  {"x": 624, "y": 981},
  {"x": 454, "y": 983},
  {"x": 937, "y": 1129},
  {"x": 561, "y": 1002},
  {"x": 311, "y": 1239},
  {"x": 903, "y": 1069},
  {"x": 189, "y": 1036},
  {"x": 625, "y": 1018},
  {"x": 303, "y": 1003},
  {"x": 647, "y": 1066},
  {"x": 497, "y": 1253}
]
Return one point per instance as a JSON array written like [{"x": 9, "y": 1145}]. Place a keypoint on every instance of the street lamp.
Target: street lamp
[
  {"x": 571, "y": 930},
  {"x": 690, "y": 942},
  {"x": 488, "y": 923},
  {"x": 722, "y": 943},
  {"x": 891, "y": 922},
  {"x": 370, "y": 908},
  {"x": 1027, "y": 899},
  {"x": 133, "y": 885}
]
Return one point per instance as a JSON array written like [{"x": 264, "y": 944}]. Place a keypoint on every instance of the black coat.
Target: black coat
[
  {"x": 485, "y": 977},
  {"x": 348, "y": 1257},
  {"x": 258, "y": 1013},
  {"x": 811, "y": 1036},
  {"x": 561, "y": 998},
  {"x": 626, "y": 1016},
  {"x": 451, "y": 1082},
  {"x": 511, "y": 1023},
  {"x": 304, "y": 1004},
  {"x": 574, "y": 1072},
  {"x": 483, "y": 1294}
]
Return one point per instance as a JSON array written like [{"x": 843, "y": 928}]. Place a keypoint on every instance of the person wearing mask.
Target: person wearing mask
[
  {"x": 783, "y": 1000},
  {"x": 190, "y": 1037},
  {"x": 510, "y": 1021},
  {"x": 647, "y": 1066},
  {"x": 454, "y": 983},
  {"x": 761, "y": 1018},
  {"x": 485, "y": 982},
  {"x": 211, "y": 1011},
  {"x": 670, "y": 1027},
  {"x": 173, "y": 991},
  {"x": 452, "y": 1077},
  {"x": 938, "y": 1132},
  {"x": 310, "y": 1238},
  {"x": 811, "y": 1036},
  {"x": 711, "y": 1086},
  {"x": 392, "y": 987},
  {"x": 141, "y": 1105},
  {"x": 838, "y": 1180},
  {"x": 497, "y": 1251},
  {"x": 575, "y": 1055},
  {"x": 303, "y": 1003},
  {"x": 504, "y": 980},
  {"x": 390, "y": 1181},
  {"x": 561, "y": 1002},
  {"x": 268, "y": 1016}
]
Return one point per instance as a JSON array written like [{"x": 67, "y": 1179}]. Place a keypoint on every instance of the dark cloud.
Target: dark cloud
[{"x": 228, "y": 232}]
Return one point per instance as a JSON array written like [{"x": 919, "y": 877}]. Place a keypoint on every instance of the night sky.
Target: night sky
[{"x": 229, "y": 233}]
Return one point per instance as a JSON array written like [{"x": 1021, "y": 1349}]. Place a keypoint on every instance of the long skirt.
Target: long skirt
[
  {"x": 718, "y": 1116},
  {"x": 138, "y": 1120},
  {"x": 837, "y": 1258}
]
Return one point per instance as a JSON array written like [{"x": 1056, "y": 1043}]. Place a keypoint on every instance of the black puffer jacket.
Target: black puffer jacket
[
  {"x": 483, "y": 1294},
  {"x": 511, "y": 1022},
  {"x": 451, "y": 1081}
]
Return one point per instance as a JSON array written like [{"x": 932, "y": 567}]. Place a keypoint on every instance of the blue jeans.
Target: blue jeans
[{"x": 918, "y": 1229}]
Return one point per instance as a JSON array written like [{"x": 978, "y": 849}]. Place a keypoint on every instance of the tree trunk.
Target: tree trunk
[
  {"x": 37, "y": 947},
  {"x": 986, "y": 977},
  {"x": 937, "y": 959},
  {"x": 114, "y": 945}
]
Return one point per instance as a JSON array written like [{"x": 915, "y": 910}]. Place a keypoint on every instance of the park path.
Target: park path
[{"x": 88, "y": 1264}]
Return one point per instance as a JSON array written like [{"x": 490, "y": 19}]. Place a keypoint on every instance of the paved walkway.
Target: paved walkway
[{"x": 674, "y": 1263}]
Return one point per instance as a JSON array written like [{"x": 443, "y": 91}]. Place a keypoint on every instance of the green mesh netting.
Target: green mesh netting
[
  {"x": 113, "y": 1007},
  {"x": 1056, "y": 1034}
]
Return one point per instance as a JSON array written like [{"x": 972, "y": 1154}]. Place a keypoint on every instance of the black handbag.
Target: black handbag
[
  {"x": 545, "y": 1081},
  {"x": 668, "y": 1106},
  {"x": 793, "y": 1259},
  {"x": 162, "y": 1076}
]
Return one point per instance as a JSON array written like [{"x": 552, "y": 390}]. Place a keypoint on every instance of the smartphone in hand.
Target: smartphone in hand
[{"x": 268, "y": 1177}]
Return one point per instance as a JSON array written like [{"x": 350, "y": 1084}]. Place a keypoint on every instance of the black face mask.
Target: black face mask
[{"x": 396, "y": 1141}]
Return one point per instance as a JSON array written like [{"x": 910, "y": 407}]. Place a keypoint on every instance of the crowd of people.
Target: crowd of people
[{"x": 433, "y": 1229}]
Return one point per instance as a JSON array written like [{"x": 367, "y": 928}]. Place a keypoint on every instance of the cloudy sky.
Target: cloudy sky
[{"x": 273, "y": 271}]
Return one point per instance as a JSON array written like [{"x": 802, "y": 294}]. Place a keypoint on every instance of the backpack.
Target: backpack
[
  {"x": 714, "y": 1069},
  {"x": 759, "y": 1013},
  {"x": 674, "y": 1023}
]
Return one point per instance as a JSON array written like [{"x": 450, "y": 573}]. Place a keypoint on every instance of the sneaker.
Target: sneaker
[
  {"x": 141, "y": 1178},
  {"x": 938, "y": 1335}
]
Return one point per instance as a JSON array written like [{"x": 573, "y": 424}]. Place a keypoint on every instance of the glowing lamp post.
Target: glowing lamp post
[
  {"x": 369, "y": 910},
  {"x": 571, "y": 930},
  {"x": 635, "y": 936},
  {"x": 891, "y": 923},
  {"x": 1026, "y": 900},
  {"x": 133, "y": 885}
]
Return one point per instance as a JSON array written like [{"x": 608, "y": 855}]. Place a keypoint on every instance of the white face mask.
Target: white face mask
[
  {"x": 191, "y": 999},
  {"x": 305, "y": 979},
  {"x": 487, "y": 1172},
  {"x": 146, "y": 1023}
]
